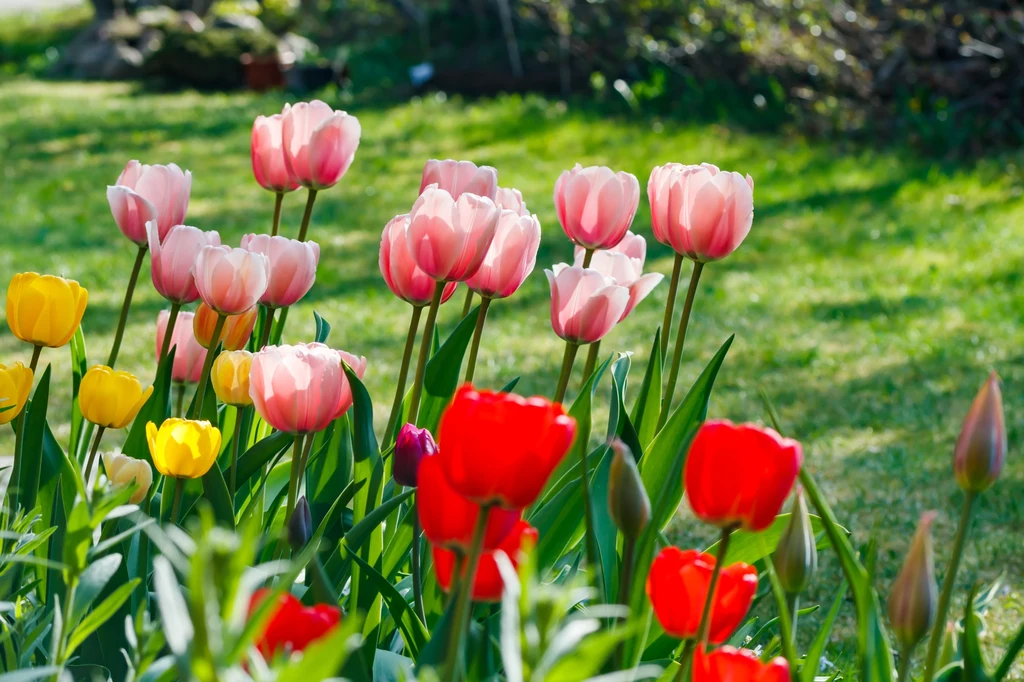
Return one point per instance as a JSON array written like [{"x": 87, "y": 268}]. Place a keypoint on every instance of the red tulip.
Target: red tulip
[
  {"x": 740, "y": 475},
  {"x": 729, "y": 664},
  {"x": 293, "y": 627},
  {"x": 677, "y": 586},
  {"x": 411, "y": 446},
  {"x": 487, "y": 583},
  {"x": 500, "y": 447}
]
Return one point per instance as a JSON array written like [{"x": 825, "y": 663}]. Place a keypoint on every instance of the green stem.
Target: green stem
[
  {"x": 126, "y": 306},
  {"x": 793, "y": 603},
  {"x": 306, "y": 447},
  {"x": 709, "y": 601},
  {"x": 276, "y": 338},
  {"x": 169, "y": 332},
  {"x": 588, "y": 519},
  {"x": 465, "y": 598},
  {"x": 417, "y": 581},
  {"x": 403, "y": 374},
  {"x": 625, "y": 581},
  {"x": 904, "y": 668},
  {"x": 481, "y": 316},
  {"x": 673, "y": 287},
  {"x": 425, "y": 343},
  {"x": 948, "y": 583},
  {"x": 92, "y": 455},
  {"x": 179, "y": 488},
  {"x": 588, "y": 255},
  {"x": 180, "y": 399},
  {"x": 1011, "y": 653},
  {"x": 19, "y": 436},
  {"x": 143, "y": 555},
  {"x": 268, "y": 323},
  {"x": 293, "y": 477},
  {"x": 310, "y": 198},
  {"x": 278, "y": 200},
  {"x": 591, "y": 364},
  {"x": 685, "y": 658},
  {"x": 204, "y": 378},
  {"x": 563, "y": 377},
  {"x": 233, "y": 477},
  {"x": 468, "y": 305},
  {"x": 677, "y": 353}
]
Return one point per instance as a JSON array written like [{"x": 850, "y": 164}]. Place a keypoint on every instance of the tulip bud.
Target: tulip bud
[
  {"x": 796, "y": 556},
  {"x": 981, "y": 447},
  {"x": 300, "y": 525},
  {"x": 628, "y": 503},
  {"x": 411, "y": 447},
  {"x": 913, "y": 600}
]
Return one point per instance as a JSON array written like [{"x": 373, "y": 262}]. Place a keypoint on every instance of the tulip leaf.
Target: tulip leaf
[
  {"x": 79, "y": 366},
  {"x": 974, "y": 662},
  {"x": 749, "y": 547},
  {"x": 364, "y": 527},
  {"x": 330, "y": 472},
  {"x": 32, "y": 443},
  {"x": 1011, "y": 653},
  {"x": 442, "y": 373},
  {"x": 58, "y": 521},
  {"x": 414, "y": 633},
  {"x": 510, "y": 386},
  {"x": 92, "y": 581},
  {"x": 156, "y": 410},
  {"x": 323, "y": 328},
  {"x": 647, "y": 407},
  {"x": 101, "y": 614},
  {"x": 252, "y": 461},
  {"x": 215, "y": 491},
  {"x": 812, "y": 658}
]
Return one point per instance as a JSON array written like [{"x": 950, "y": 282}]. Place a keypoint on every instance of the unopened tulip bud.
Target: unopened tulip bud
[
  {"x": 300, "y": 525},
  {"x": 796, "y": 556},
  {"x": 628, "y": 503},
  {"x": 411, "y": 446},
  {"x": 948, "y": 650},
  {"x": 981, "y": 447},
  {"x": 913, "y": 600}
]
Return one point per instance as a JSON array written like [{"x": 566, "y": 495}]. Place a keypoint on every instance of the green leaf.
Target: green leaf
[
  {"x": 32, "y": 444},
  {"x": 433, "y": 654},
  {"x": 92, "y": 581},
  {"x": 30, "y": 674},
  {"x": 215, "y": 491},
  {"x": 79, "y": 366},
  {"x": 510, "y": 386},
  {"x": 107, "y": 608},
  {"x": 55, "y": 578},
  {"x": 365, "y": 526},
  {"x": 974, "y": 661},
  {"x": 414, "y": 633},
  {"x": 812, "y": 658},
  {"x": 156, "y": 410},
  {"x": 443, "y": 370},
  {"x": 330, "y": 473},
  {"x": 749, "y": 548},
  {"x": 323, "y": 328},
  {"x": 252, "y": 461},
  {"x": 647, "y": 407},
  {"x": 588, "y": 657},
  {"x": 324, "y": 658}
]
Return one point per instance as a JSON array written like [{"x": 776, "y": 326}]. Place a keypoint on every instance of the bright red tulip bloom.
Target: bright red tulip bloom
[
  {"x": 740, "y": 474},
  {"x": 267, "y": 150},
  {"x": 487, "y": 583},
  {"x": 500, "y": 448},
  {"x": 729, "y": 664},
  {"x": 143, "y": 193},
  {"x": 171, "y": 262},
  {"x": 319, "y": 143},
  {"x": 292, "y": 267},
  {"x": 405, "y": 279},
  {"x": 677, "y": 586},
  {"x": 596, "y": 205},
  {"x": 293, "y": 627},
  {"x": 460, "y": 177},
  {"x": 189, "y": 355}
]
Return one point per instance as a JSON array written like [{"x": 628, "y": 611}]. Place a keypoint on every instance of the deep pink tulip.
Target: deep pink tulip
[
  {"x": 143, "y": 193},
  {"x": 292, "y": 267},
  {"x": 302, "y": 388},
  {"x": 319, "y": 143},
  {"x": 267, "y": 150},
  {"x": 511, "y": 199},
  {"x": 231, "y": 280},
  {"x": 189, "y": 356},
  {"x": 402, "y": 275},
  {"x": 449, "y": 238},
  {"x": 625, "y": 264},
  {"x": 511, "y": 258},
  {"x": 596, "y": 205},
  {"x": 585, "y": 304},
  {"x": 172, "y": 261},
  {"x": 701, "y": 212},
  {"x": 459, "y": 177}
]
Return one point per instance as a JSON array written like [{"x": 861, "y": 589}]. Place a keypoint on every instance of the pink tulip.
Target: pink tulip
[
  {"x": 459, "y": 177},
  {"x": 172, "y": 260},
  {"x": 292, "y": 267},
  {"x": 449, "y": 238},
  {"x": 511, "y": 258},
  {"x": 189, "y": 356},
  {"x": 585, "y": 304},
  {"x": 319, "y": 143},
  {"x": 144, "y": 193},
  {"x": 402, "y": 275},
  {"x": 267, "y": 149},
  {"x": 511, "y": 199},
  {"x": 231, "y": 280},
  {"x": 701, "y": 212},
  {"x": 625, "y": 264},
  {"x": 596, "y": 205},
  {"x": 302, "y": 388}
]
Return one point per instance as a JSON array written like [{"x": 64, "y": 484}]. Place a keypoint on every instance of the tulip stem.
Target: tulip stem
[
  {"x": 588, "y": 255},
  {"x": 279, "y": 327},
  {"x": 625, "y": 580},
  {"x": 165, "y": 348},
  {"x": 92, "y": 455},
  {"x": 126, "y": 306},
  {"x": 793, "y": 604},
  {"x": 709, "y": 601},
  {"x": 425, "y": 343},
  {"x": 948, "y": 583},
  {"x": 463, "y": 605},
  {"x": 417, "y": 586},
  {"x": 563, "y": 378},
  {"x": 591, "y": 364},
  {"x": 474, "y": 348},
  {"x": 293, "y": 477},
  {"x": 685, "y": 658},
  {"x": 468, "y": 305},
  {"x": 588, "y": 521},
  {"x": 278, "y": 200},
  {"x": 204, "y": 378},
  {"x": 268, "y": 323},
  {"x": 677, "y": 352},
  {"x": 306, "y": 447},
  {"x": 403, "y": 374},
  {"x": 233, "y": 476},
  {"x": 906, "y": 656},
  {"x": 19, "y": 427},
  {"x": 179, "y": 488},
  {"x": 670, "y": 304},
  {"x": 310, "y": 198},
  {"x": 180, "y": 407}
]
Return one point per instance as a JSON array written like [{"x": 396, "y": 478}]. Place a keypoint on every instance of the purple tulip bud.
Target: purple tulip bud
[
  {"x": 300, "y": 525},
  {"x": 412, "y": 446},
  {"x": 981, "y": 447}
]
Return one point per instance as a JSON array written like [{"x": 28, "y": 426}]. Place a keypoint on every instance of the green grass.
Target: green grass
[{"x": 873, "y": 294}]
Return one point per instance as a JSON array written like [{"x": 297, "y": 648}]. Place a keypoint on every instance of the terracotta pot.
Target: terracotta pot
[{"x": 263, "y": 72}]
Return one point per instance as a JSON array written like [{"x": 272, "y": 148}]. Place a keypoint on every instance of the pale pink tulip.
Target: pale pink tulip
[
  {"x": 402, "y": 275},
  {"x": 172, "y": 261},
  {"x": 319, "y": 143},
  {"x": 143, "y": 193},
  {"x": 303, "y": 388},
  {"x": 231, "y": 280},
  {"x": 292, "y": 267},
  {"x": 449, "y": 238},
  {"x": 511, "y": 258},
  {"x": 701, "y": 212},
  {"x": 511, "y": 199},
  {"x": 458, "y": 177},
  {"x": 189, "y": 356},
  {"x": 625, "y": 264},
  {"x": 585, "y": 304},
  {"x": 596, "y": 205},
  {"x": 267, "y": 149}
]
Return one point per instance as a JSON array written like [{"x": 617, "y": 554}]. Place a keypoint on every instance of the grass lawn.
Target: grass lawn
[{"x": 873, "y": 294}]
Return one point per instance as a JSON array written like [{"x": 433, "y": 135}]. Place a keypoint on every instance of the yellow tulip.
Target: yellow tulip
[
  {"x": 111, "y": 399},
  {"x": 15, "y": 385},
  {"x": 230, "y": 377},
  {"x": 183, "y": 448},
  {"x": 45, "y": 310},
  {"x": 123, "y": 470}
]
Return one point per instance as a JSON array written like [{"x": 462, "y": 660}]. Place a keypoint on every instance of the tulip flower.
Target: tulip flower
[
  {"x": 625, "y": 264},
  {"x": 292, "y": 627},
  {"x": 447, "y": 237},
  {"x": 231, "y": 281},
  {"x": 143, "y": 193},
  {"x": 111, "y": 399},
  {"x": 45, "y": 310},
  {"x": 267, "y": 150},
  {"x": 15, "y": 385},
  {"x": 300, "y": 525},
  {"x": 487, "y": 581},
  {"x": 913, "y": 600},
  {"x": 628, "y": 503},
  {"x": 585, "y": 304},
  {"x": 796, "y": 556},
  {"x": 189, "y": 356},
  {"x": 123, "y": 471},
  {"x": 319, "y": 143},
  {"x": 981, "y": 446},
  {"x": 411, "y": 447},
  {"x": 740, "y": 475},
  {"x": 596, "y": 205},
  {"x": 183, "y": 448},
  {"x": 460, "y": 177},
  {"x": 292, "y": 267},
  {"x": 729, "y": 664},
  {"x": 230, "y": 377},
  {"x": 173, "y": 259},
  {"x": 677, "y": 586},
  {"x": 235, "y": 332},
  {"x": 510, "y": 258},
  {"x": 510, "y": 199},
  {"x": 404, "y": 278}
]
